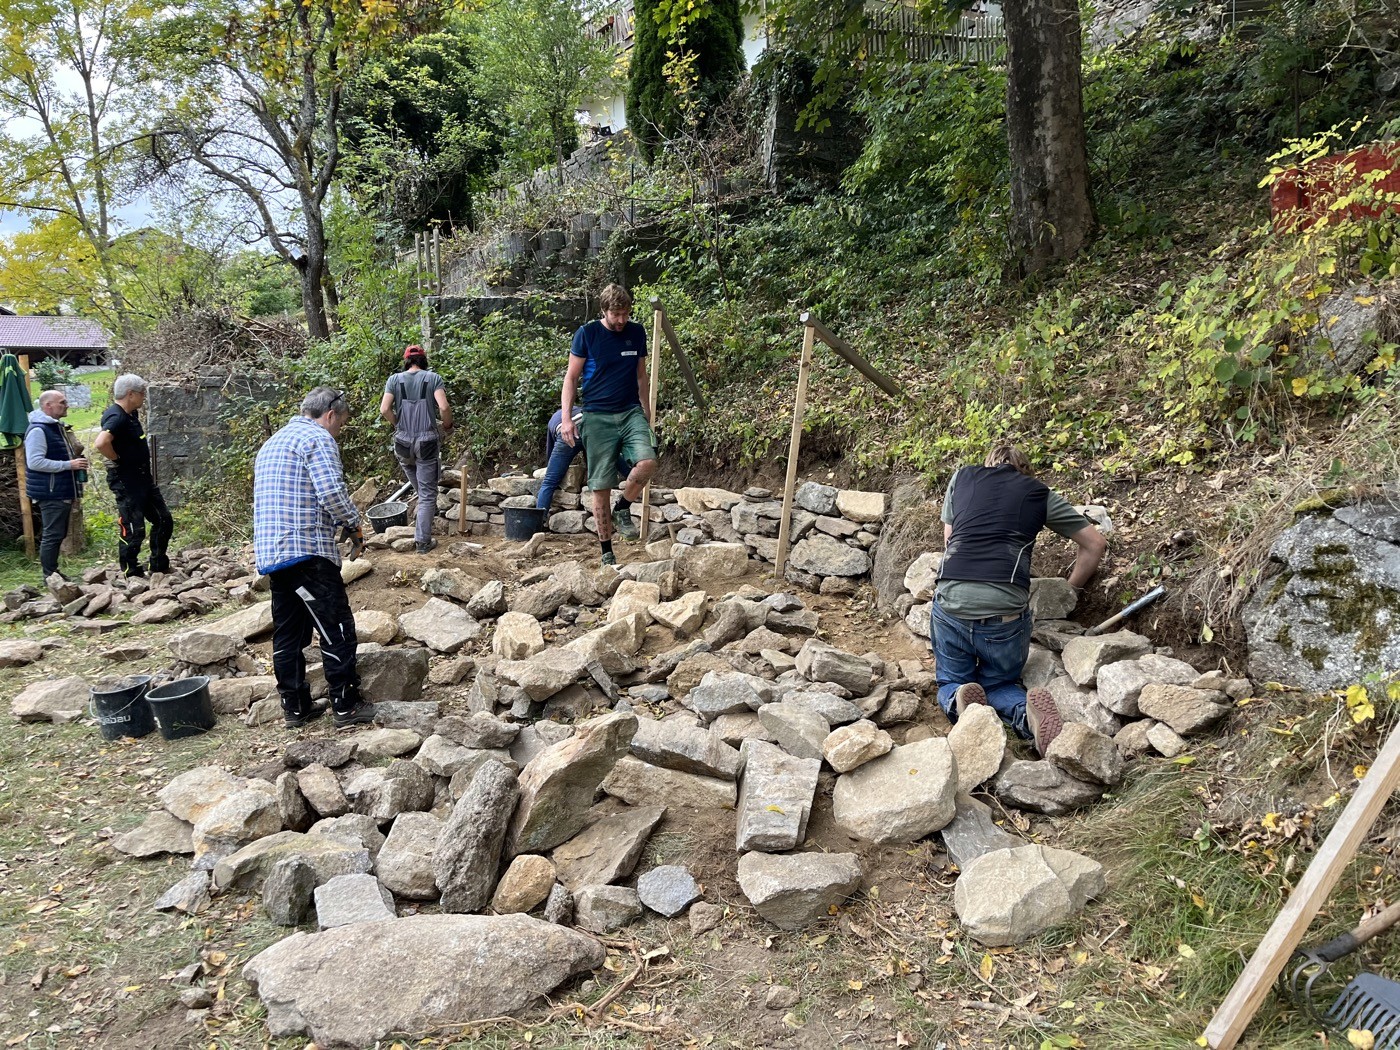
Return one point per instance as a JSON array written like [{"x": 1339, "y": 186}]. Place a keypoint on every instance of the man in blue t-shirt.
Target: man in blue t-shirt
[{"x": 607, "y": 366}]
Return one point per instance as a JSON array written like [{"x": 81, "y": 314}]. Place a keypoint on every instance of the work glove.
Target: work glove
[{"x": 356, "y": 536}]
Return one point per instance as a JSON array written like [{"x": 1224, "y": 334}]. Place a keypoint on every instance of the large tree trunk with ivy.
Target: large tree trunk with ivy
[{"x": 1051, "y": 214}]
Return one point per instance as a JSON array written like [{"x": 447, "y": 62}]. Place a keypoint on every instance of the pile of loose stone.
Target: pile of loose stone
[
  {"x": 199, "y": 580},
  {"x": 524, "y": 809},
  {"x": 832, "y": 532}
]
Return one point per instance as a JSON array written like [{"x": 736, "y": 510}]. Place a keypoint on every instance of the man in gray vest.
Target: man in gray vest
[
  {"x": 980, "y": 619},
  {"x": 56, "y": 472},
  {"x": 415, "y": 405}
]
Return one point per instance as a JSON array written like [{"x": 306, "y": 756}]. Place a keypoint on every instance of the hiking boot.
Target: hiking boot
[
  {"x": 967, "y": 695},
  {"x": 609, "y": 558},
  {"x": 134, "y": 571},
  {"x": 1043, "y": 717},
  {"x": 624, "y": 525},
  {"x": 424, "y": 548},
  {"x": 296, "y": 721},
  {"x": 359, "y": 715}
]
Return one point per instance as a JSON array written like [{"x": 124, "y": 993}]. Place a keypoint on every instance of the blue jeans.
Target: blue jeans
[
  {"x": 991, "y": 653},
  {"x": 558, "y": 465}
]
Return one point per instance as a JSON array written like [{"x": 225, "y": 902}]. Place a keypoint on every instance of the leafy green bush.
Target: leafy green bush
[{"x": 52, "y": 373}]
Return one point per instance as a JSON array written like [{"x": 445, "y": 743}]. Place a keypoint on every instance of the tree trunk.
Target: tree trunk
[{"x": 1051, "y": 214}]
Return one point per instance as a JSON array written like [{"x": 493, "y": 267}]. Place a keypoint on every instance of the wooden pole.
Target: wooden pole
[
  {"x": 1289, "y": 926},
  {"x": 852, "y": 356},
  {"x": 799, "y": 408},
  {"x": 658, "y": 318},
  {"x": 682, "y": 360},
  {"x": 437, "y": 261},
  {"x": 26, "y": 509},
  {"x": 462, "y": 506}
]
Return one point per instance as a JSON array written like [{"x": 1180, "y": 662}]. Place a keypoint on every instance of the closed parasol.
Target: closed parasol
[{"x": 15, "y": 402}]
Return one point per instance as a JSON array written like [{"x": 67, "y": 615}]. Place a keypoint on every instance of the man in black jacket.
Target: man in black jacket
[
  {"x": 980, "y": 620},
  {"x": 122, "y": 440}
]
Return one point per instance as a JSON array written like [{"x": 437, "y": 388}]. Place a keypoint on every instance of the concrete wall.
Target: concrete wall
[{"x": 187, "y": 422}]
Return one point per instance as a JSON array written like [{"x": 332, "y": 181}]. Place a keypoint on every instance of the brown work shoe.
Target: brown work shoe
[
  {"x": 1043, "y": 717},
  {"x": 968, "y": 694}
]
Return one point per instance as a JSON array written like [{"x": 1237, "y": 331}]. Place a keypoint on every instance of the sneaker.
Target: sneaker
[
  {"x": 1043, "y": 717},
  {"x": 424, "y": 548},
  {"x": 359, "y": 715},
  {"x": 609, "y": 558},
  {"x": 305, "y": 718},
  {"x": 623, "y": 523},
  {"x": 968, "y": 694}
]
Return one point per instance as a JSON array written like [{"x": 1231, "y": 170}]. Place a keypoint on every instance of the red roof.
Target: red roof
[{"x": 52, "y": 333}]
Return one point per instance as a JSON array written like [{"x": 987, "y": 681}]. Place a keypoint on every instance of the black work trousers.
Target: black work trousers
[
  {"x": 138, "y": 505},
  {"x": 53, "y": 518},
  {"x": 306, "y": 595}
]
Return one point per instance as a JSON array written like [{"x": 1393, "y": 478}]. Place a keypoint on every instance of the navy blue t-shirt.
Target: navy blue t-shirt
[{"x": 609, "y": 380}]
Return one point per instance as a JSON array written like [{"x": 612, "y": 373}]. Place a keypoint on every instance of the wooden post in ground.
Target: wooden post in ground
[
  {"x": 799, "y": 408},
  {"x": 658, "y": 318},
  {"x": 26, "y": 509},
  {"x": 1289, "y": 926},
  {"x": 462, "y": 506}
]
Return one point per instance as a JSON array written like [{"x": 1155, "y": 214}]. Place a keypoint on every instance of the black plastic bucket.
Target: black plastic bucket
[
  {"x": 182, "y": 708},
  {"x": 119, "y": 707},
  {"x": 385, "y": 515},
  {"x": 524, "y": 522}
]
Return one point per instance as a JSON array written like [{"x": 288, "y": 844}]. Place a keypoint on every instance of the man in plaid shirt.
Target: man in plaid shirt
[{"x": 299, "y": 500}]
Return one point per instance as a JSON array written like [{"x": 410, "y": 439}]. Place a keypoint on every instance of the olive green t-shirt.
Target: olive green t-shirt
[{"x": 975, "y": 599}]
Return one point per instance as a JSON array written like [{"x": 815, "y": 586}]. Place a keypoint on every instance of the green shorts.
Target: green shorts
[{"x": 606, "y": 435}]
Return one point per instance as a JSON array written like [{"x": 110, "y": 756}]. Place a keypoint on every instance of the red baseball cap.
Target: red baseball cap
[{"x": 411, "y": 349}]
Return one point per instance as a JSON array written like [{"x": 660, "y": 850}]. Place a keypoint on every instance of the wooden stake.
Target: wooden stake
[
  {"x": 1289, "y": 926},
  {"x": 462, "y": 506},
  {"x": 658, "y": 318},
  {"x": 26, "y": 509},
  {"x": 799, "y": 408}
]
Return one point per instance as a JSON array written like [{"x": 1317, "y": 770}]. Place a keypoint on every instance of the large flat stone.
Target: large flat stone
[
  {"x": 1010, "y": 896},
  {"x": 608, "y": 849},
  {"x": 330, "y": 857},
  {"x": 901, "y": 797},
  {"x": 775, "y": 798},
  {"x": 690, "y": 749},
  {"x": 350, "y": 986},
  {"x": 440, "y": 625},
  {"x": 640, "y": 783},
  {"x": 468, "y": 851},
  {"x": 794, "y": 890}
]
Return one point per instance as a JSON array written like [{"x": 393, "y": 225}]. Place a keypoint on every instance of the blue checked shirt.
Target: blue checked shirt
[{"x": 299, "y": 497}]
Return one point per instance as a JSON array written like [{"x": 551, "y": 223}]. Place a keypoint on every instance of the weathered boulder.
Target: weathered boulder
[
  {"x": 1328, "y": 616},
  {"x": 798, "y": 729},
  {"x": 900, "y": 797},
  {"x": 545, "y": 673},
  {"x": 450, "y": 583},
  {"x": 1165, "y": 740},
  {"x": 517, "y": 636},
  {"x": 1084, "y": 656},
  {"x": 1185, "y": 709},
  {"x": 402, "y": 788},
  {"x": 469, "y": 846},
  {"x": 1086, "y": 754},
  {"x": 1079, "y": 704},
  {"x": 1044, "y": 788},
  {"x": 391, "y": 674},
  {"x": 724, "y": 692},
  {"x": 18, "y": 652},
  {"x": 349, "y": 986},
  {"x": 349, "y": 899},
  {"x": 861, "y": 506},
  {"x": 823, "y": 555},
  {"x": 684, "y": 615},
  {"x": 853, "y": 745},
  {"x": 287, "y": 890},
  {"x": 417, "y": 715},
  {"x": 202, "y": 646},
  {"x": 1052, "y": 598},
  {"x": 525, "y": 884},
  {"x": 608, "y": 849},
  {"x": 633, "y": 597},
  {"x": 489, "y": 601},
  {"x": 242, "y": 817},
  {"x": 1120, "y": 683},
  {"x": 668, "y": 890},
  {"x": 603, "y": 909},
  {"x": 372, "y": 625},
  {"x": 478, "y": 730},
  {"x": 978, "y": 740},
  {"x": 246, "y": 869},
  {"x": 1009, "y": 896},
  {"x": 775, "y": 798},
  {"x": 541, "y": 600},
  {"x": 60, "y": 700},
  {"x": 405, "y": 861},
  {"x": 712, "y": 561},
  {"x": 640, "y": 783},
  {"x": 690, "y": 749},
  {"x": 819, "y": 662},
  {"x": 972, "y": 832},
  {"x": 794, "y": 890},
  {"x": 1351, "y": 325},
  {"x": 355, "y": 829},
  {"x": 386, "y": 743},
  {"x": 440, "y": 625},
  {"x": 158, "y": 833},
  {"x": 558, "y": 785},
  {"x": 194, "y": 792}
]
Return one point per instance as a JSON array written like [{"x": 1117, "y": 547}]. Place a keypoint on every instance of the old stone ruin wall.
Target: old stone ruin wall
[{"x": 186, "y": 422}]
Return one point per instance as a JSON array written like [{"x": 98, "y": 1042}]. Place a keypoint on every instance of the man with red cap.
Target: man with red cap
[{"x": 415, "y": 405}]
